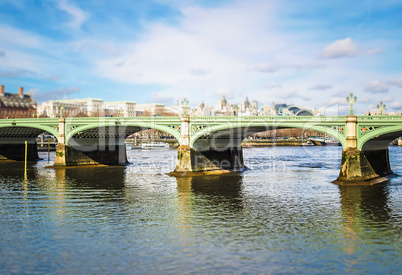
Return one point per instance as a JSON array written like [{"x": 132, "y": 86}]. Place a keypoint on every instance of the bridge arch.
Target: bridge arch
[
  {"x": 215, "y": 144},
  {"x": 380, "y": 138},
  {"x": 29, "y": 130},
  {"x": 253, "y": 128},
  {"x": 121, "y": 129},
  {"x": 13, "y": 136}
]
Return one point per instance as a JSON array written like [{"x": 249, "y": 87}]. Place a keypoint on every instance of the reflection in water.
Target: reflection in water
[
  {"x": 213, "y": 189},
  {"x": 111, "y": 220},
  {"x": 362, "y": 206},
  {"x": 365, "y": 203},
  {"x": 97, "y": 177}
]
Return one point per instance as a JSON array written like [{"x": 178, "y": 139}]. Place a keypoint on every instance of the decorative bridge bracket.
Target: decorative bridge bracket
[
  {"x": 197, "y": 127},
  {"x": 341, "y": 130},
  {"x": 365, "y": 129}
]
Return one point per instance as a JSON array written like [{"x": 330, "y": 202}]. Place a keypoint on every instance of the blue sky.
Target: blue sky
[{"x": 309, "y": 53}]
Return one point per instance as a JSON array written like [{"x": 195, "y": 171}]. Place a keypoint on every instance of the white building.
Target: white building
[
  {"x": 122, "y": 108},
  {"x": 150, "y": 109},
  {"x": 223, "y": 108},
  {"x": 86, "y": 107},
  {"x": 203, "y": 110},
  {"x": 247, "y": 109}
]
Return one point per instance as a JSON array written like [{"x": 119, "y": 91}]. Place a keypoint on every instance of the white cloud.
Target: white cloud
[
  {"x": 234, "y": 46},
  {"x": 21, "y": 61},
  {"x": 95, "y": 47},
  {"x": 272, "y": 85},
  {"x": 79, "y": 16},
  {"x": 346, "y": 48},
  {"x": 216, "y": 44},
  {"x": 15, "y": 37},
  {"x": 373, "y": 51},
  {"x": 340, "y": 48},
  {"x": 267, "y": 68},
  {"x": 364, "y": 99},
  {"x": 2, "y": 53},
  {"x": 396, "y": 105},
  {"x": 59, "y": 93},
  {"x": 162, "y": 98},
  {"x": 224, "y": 92},
  {"x": 272, "y": 68},
  {"x": 396, "y": 82},
  {"x": 320, "y": 87},
  {"x": 17, "y": 73},
  {"x": 294, "y": 95},
  {"x": 376, "y": 87},
  {"x": 199, "y": 71}
]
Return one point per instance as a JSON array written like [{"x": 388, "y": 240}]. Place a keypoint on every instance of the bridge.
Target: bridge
[{"x": 207, "y": 144}]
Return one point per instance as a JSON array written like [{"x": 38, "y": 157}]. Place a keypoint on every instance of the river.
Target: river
[{"x": 283, "y": 216}]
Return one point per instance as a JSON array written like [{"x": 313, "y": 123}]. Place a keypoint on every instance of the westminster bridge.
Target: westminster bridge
[{"x": 207, "y": 144}]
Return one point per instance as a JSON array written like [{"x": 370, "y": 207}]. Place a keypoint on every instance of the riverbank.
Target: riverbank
[
  {"x": 270, "y": 142},
  {"x": 245, "y": 143}
]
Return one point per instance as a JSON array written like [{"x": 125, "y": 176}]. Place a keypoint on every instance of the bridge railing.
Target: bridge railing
[
  {"x": 270, "y": 118},
  {"x": 208, "y": 118},
  {"x": 141, "y": 118},
  {"x": 379, "y": 118},
  {"x": 27, "y": 120}
]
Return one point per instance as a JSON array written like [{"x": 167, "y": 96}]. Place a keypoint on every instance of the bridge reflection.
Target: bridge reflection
[{"x": 365, "y": 215}]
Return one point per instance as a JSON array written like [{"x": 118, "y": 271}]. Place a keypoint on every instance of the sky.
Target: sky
[{"x": 309, "y": 53}]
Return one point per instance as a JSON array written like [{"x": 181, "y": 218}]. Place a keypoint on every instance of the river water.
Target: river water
[{"x": 283, "y": 216}]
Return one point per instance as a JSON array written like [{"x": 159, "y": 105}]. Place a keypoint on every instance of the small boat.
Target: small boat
[
  {"x": 134, "y": 147},
  {"x": 44, "y": 146},
  {"x": 323, "y": 142},
  {"x": 308, "y": 143},
  {"x": 151, "y": 145}
]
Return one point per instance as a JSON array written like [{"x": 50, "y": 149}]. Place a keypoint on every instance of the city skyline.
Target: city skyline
[{"x": 309, "y": 54}]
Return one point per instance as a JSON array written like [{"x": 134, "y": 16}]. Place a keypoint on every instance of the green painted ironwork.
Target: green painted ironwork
[
  {"x": 170, "y": 125},
  {"x": 184, "y": 103},
  {"x": 367, "y": 128},
  {"x": 381, "y": 107},
  {"x": 373, "y": 127},
  {"x": 334, "y": 126},
  {"x": 27, "y": 126},
  {"x": 351, "y": 99}
]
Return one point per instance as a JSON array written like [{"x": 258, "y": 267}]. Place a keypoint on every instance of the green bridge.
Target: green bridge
[{"x": 207, "y": 144}]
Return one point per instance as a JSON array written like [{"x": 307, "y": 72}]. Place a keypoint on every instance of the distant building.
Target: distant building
[
  {"x": 87, "y": 107},
  {"x": 151, "y": 109},
  {"x": 16, "y": 105},
  {"x": 71, "y": 107},
  {"x": 223, "y": 108},
  {"x": 247, "y": 109},
  {"x": 121, "y": 108},
  {"x": 97, "y": 107},
  {"x": 288, "y": 110},
  {"x": 203, "y": 110}
]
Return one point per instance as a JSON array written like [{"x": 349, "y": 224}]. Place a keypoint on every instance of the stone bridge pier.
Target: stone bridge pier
[
  {"x": 14, "y": 149},
  {"x": 369, "y": 164},
  {"x": 207, "y": 157},
  {"x": 91, "y": 152},
  {"x": 103, "y": 145},
  {"x": 218, "y": 152}
]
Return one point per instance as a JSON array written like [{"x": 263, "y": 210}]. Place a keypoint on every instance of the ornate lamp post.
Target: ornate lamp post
[
  {"x": 381, "y": 107},
  {"x": 351, "y": 99},
  {"x": 62, "y": 111},
  {"x": 184, "y": 104}
]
